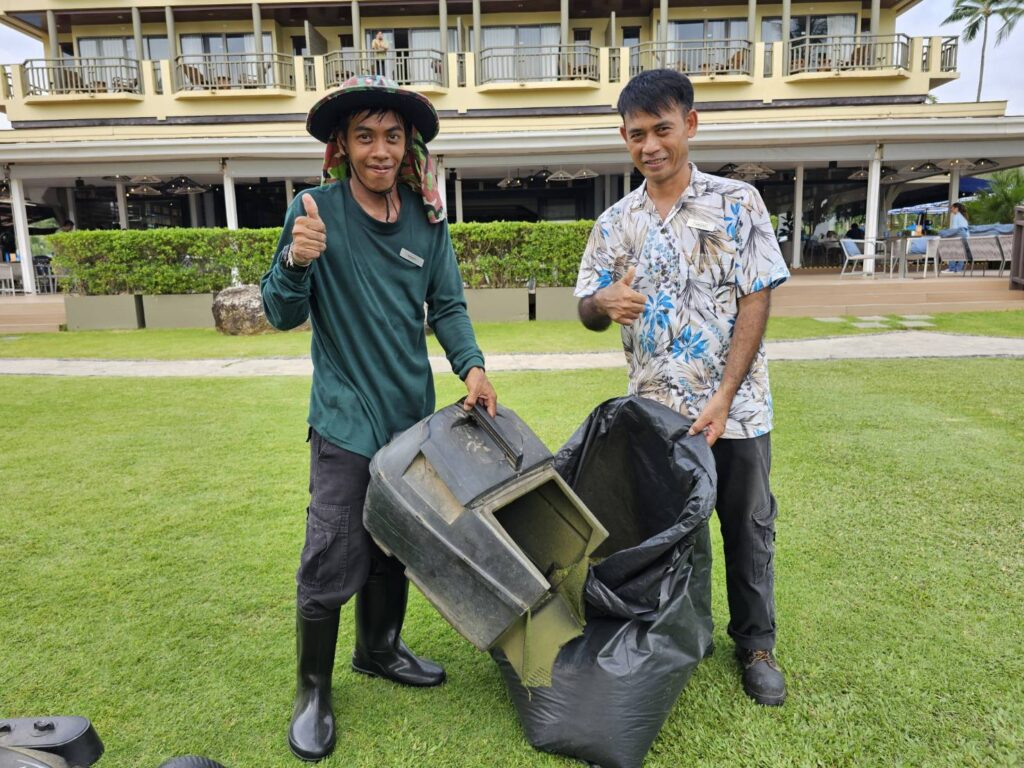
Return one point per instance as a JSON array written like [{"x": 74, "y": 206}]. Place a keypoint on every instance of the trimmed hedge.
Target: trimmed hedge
[{"x": 164, "y": 261}]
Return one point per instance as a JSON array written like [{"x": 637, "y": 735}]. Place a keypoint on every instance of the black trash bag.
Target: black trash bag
[{"x": 648, "y": 598}]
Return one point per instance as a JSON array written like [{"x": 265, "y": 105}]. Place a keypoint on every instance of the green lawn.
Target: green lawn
[
  {"x": 151, "y": 530},
  {"x": 494, "y": 338}
]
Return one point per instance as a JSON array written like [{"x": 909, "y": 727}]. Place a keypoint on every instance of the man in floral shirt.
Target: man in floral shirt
[{"x": 686, "y": 264}]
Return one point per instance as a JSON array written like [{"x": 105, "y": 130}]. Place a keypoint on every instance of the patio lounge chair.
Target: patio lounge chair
[{"x": 854, "y": 251}]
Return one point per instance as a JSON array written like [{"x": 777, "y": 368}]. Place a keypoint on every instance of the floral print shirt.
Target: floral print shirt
[{"x": 715, "y": 246}]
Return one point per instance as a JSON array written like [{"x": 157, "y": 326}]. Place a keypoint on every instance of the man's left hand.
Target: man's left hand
[
  {"x": 480, "y": 390},
  {"x": 711, "y": 420}
]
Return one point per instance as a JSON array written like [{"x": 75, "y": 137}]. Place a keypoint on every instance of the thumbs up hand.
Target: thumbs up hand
[
  {"x": 619, "y": 301},
  {"x": 309, "y": 236}
]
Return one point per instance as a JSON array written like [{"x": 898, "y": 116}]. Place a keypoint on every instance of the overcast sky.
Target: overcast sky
[{"x": 1003, "y": 64}]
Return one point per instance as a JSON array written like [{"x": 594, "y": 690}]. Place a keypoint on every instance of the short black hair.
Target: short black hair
[{"x": 656, "y": 91}]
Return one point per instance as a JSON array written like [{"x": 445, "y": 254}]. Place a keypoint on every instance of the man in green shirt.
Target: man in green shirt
[{"x": 360, "y": 257}]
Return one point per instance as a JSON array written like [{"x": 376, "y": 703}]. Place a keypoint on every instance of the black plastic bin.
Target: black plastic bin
[
  {"x": 647, "y": 600},
  {"x": 487, "y": 530}
]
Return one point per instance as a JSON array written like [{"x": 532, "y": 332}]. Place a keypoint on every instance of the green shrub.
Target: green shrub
[{"x": 160, "y": 261}]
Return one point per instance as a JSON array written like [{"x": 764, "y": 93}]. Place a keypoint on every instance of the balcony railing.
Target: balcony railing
[
  {"x": 695, "y": 57},
  {"x": 403, "y": 65},
  {"x": 309, "y": 70},
  {"x": 62, "y": 77},
  {"x": 830, "y": 53},
  {"x": 234, "y": 71},
  {"x": 768, "y": 54},
  {"x": 538, "y": 63},
  {"x": 947, "y": 60}
]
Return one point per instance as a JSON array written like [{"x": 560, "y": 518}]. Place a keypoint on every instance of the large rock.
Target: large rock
[{"x": 238, "y": 311}]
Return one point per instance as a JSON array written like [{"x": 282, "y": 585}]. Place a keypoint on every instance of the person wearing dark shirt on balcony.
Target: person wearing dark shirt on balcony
[{"x": 360, "y": 257}]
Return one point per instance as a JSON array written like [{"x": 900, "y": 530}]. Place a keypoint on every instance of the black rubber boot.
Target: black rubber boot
[
  {"x": 311, "y": 733},
  {"x": 762, "y": 678},
  {"x": 380, "y": 652}
]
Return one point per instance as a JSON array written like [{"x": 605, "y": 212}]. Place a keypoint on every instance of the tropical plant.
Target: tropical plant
[
  {"x": 977, "y": 13},
  {"x": 995, "y": 205}
]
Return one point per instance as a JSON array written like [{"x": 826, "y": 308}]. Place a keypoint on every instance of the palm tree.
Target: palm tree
[{"x": 976, "y": 13}]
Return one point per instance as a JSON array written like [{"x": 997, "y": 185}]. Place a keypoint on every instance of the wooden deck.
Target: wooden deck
[
  {"x": 31, "y": 314},
  {"x": 816, "y": 294},
  {"x": 810, "y": 293}
]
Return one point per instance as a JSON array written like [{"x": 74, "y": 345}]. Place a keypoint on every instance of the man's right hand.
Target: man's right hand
[
  {"x": 619, "y": 301},
  {"x": 309, "y": 236}
]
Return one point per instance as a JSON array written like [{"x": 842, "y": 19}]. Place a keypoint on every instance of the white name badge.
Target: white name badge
[
  {"x": 701, "y": 224},
  {"x": 411, "y": 257}
]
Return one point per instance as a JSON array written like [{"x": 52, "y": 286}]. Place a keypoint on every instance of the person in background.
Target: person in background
[
  {"x": 855, "y": 232},
  {"x": 958, "y": 226},
  {"x": 380, "y": 52}
]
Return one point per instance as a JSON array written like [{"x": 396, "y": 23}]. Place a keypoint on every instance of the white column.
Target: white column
[
  {"x": 954, "y": 183},
  {"x": 442, "y": 12},
  {"x": 122, "y": 205},
  {"x": 564, "y": 20},
  {"x": 442, "y": 183},
  {"x": 230, "y": 206},
  {"x": 53, "y": 46},
  {"x": 257, "y": 30},
  {"x": 289, "y": 192},
  {"x": 871, "y": 212},
  {"x": 663, "y": 29},
  {"x": 798, "y": 216},
  {"x": 875, "y": 14},
  {"x": 193, "y": 209},
  {"x": 357, "y": 32},
  {"x": 21, "y": 238},
  {"x": 751, "y": 22},
  {"x": 72, "y": 209},
  {"x": 787, "y": 8},
  {"x": 476, "y": 32},
  {"x": 140, "y": 52},
  {"x": 459, "y": 215},
  {"x": 172, "y": 38}
]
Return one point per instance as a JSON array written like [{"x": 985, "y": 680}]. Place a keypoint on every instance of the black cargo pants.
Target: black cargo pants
[
  {"x": 746, "y": 513},
  {"x": 338, "y": 553}
]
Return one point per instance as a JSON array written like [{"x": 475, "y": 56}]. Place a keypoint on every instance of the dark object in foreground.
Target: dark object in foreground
[
  {"x": 488, "y": 531},
  {"x": 64, "y": 742},
  {"x": 72, "y": 739},
  {"x": 647, "y": 602}
]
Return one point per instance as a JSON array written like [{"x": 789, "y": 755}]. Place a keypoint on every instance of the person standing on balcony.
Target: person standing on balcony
[
  {"x": 686, "y": 264},
  {"x": 360, "y": 256},
  {"x": 380, "y": 52}
]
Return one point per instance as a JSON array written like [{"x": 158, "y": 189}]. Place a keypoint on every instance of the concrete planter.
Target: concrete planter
[
  {"x": 94, "y": 313},
  {"x": 497, "y": 304},
  {"x": 556, "y": 304},
  {"x": 192, "y": 310}
]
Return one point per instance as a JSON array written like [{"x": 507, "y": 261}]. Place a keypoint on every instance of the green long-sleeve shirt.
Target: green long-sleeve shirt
[{"x": 364, "y": 297}]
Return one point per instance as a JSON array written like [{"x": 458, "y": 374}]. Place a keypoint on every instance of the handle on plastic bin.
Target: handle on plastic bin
[{"x": 493, "y": 430}]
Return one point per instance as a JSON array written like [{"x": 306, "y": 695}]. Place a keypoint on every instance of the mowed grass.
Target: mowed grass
[
  {"x": 152, "y": 529},
  {"x": 494, "y": 338}
]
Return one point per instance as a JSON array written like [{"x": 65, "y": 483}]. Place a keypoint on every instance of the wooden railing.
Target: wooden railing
[
  {"x": 830, "y": 53},
  {"x": 234, "y": 71},
  {"x": 538, "y": 63},
  {"x": 695, "y": 57},
  {"x": 403, "y": 65},
  {"x": 62, "y": 77}
]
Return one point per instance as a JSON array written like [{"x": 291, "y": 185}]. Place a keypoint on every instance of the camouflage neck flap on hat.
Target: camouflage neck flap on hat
[{"x": 417, "y": 171}]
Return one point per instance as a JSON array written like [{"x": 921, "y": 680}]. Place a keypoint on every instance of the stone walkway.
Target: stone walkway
[{"x": 906, "y": 344}]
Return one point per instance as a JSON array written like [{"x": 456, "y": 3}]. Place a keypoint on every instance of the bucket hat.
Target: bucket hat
[{"x": 371, "y": 92}]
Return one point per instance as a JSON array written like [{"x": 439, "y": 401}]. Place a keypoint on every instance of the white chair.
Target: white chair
[
  {"x": 7, "y": 279},
  {"x": 854, "y": 251},
  {"x": 909, "y": 256}
]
